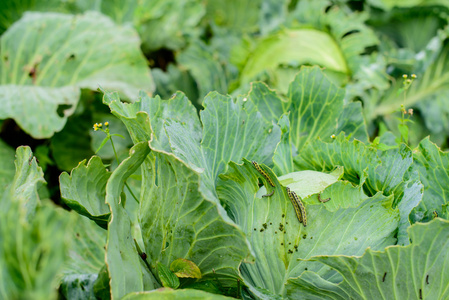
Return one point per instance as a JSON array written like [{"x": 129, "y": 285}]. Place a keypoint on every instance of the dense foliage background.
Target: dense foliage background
[{"x": 312, "y": 85}]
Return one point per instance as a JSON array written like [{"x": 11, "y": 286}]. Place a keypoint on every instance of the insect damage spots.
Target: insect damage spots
[{"x": 32, "y": 73}]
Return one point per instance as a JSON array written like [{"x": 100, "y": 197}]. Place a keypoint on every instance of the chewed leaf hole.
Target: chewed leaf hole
[{"x": 62, "y": 108}]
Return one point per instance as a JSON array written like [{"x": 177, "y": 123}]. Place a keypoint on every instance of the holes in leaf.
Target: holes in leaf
[
  {"x": 328, "y": 8},
  {"x": 61, "y": 109},
  {"x": 160, "y": 58},
  {"x": 350, "y": 32}
]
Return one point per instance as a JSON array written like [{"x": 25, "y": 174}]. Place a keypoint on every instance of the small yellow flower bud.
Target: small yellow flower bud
[
  {"x": 414, "y": 76},
  {"x": 404, "y": 76},
  {"x": 333, "y": 136},
  {"x": 100, "y": 125},
  {"x": 106, "y": 123},
  {"x": 403, "y": 110},
  {"x": 409, "y": 81}
]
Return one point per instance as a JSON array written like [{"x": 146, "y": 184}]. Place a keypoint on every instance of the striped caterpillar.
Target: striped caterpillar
[
  {"x": 295, "y": 205},
  {"x": 267, "y": 177},
  {"x": 322, "y": 200},
  {"x": 264, "y": 174},
  {"x": 299, "y": 206}
]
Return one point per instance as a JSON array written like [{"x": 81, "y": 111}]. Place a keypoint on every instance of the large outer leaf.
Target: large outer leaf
[
  {"x": 231, "y": 130},
  {"x": 33, "y": 241},
  {"x": 179, "y": 221},
  {"x": 277, "y": 238},
  {"x": 122, "y": 257},
  {"x": 47, "y": 56},
  {"x": 417, "y": 271},
  {"x": 86, "y": 258},
  {"x": 84, "y": 190}
]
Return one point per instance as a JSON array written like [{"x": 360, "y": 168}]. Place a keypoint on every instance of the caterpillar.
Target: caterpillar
[
  {"x": 302, "y": 211},
  {"x": 323, "y": 200},
  {"x": 268, "y": 195},
  {"x": 297, "y": 206},
  {"x": 264, "y": 174},
  {"x": 301, "y": 207}
]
